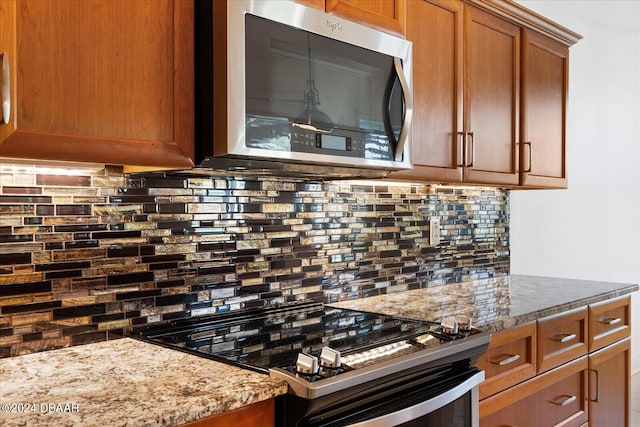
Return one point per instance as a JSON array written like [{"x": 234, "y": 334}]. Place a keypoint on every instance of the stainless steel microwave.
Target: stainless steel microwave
[{"x": 296, "y": 89}]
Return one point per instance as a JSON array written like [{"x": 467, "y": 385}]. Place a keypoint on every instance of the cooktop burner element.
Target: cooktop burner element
[{"x": 318, "y": 349}]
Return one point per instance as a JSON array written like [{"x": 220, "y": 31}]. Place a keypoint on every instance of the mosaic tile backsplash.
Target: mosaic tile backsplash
[{"x": 84, "y": 258}]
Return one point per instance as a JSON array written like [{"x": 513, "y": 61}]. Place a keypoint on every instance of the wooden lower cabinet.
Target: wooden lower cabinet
[
  {"x": 257, "y": 414},
  {"x": 610, "y": 385},
  {"x": 555, "y": 398},
  {"x": 583, "y": 368}
]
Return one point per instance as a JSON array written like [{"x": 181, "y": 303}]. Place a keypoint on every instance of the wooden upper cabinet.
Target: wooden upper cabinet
[
  {"x": 388, "y": 15},
  {"x": 435, "y": 29},
  {"x": 7, "y": 68},
  {"x": 318, "y": 4},
  {"x": 545, "y": 73},
  {"x": 491, "y": 98},
  {"x": 100, "y": 81},
  {"x": 490, "y": 94},
  {"x": 466, "y": 86}
]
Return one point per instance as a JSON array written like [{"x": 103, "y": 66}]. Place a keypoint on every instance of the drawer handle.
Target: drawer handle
[
  {"x": 610, "y": 320},
  {"x": 565, "y": 401},
  {"x": 564, "y": 337},
  {"x": 507, "y": 360}
]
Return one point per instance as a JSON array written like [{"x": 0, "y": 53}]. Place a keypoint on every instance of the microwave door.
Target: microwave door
[{"x": 309, "y": 95}]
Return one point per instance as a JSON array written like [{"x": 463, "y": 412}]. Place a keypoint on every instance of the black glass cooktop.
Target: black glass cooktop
[{"x": 273, "y": 337}]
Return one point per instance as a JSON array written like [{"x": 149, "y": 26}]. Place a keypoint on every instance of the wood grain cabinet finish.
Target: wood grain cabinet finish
[
  {"x": 466, "y": 89},
  {"x": 610, "y": 385},
  {"x": 436, "y": 30},
  {"x": 491, "y": 98},
  {"x": 100, "y": 81},
  {"x": 545, "y": 77},
  {"x": 562, "y": 338},
  {"x": 386, "y": 15},
  {"x": 555, "y": 398},
  {"x": 571, "y": 387},
  {"x": 511, "y": 359},
  {"x": 490, "y": 94},
  {"x": 609, "y": 321},
  {"x": 257, "y": 414}
]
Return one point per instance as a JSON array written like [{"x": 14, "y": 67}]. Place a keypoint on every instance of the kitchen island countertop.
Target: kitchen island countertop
[{"x": 123, "y": 382}]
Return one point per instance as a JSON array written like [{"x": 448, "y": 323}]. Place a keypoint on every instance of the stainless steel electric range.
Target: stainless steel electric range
[{"x": 344, "y": 367}]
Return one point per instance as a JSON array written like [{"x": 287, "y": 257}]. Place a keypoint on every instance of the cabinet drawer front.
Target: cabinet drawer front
[
  {"x": 564, "y": 402},
  {"x": 555, "y": 398},
  {"x": 609, "y": 321},
  {"x": 511, "y": 359},
  {"x": 562, "y": 338}
]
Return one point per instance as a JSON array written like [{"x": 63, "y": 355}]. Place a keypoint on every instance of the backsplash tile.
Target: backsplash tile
[{"x": 84, "y": 258}]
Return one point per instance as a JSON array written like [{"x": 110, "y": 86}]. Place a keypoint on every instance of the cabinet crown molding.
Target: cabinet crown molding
[{"x": 524, "y": 17}]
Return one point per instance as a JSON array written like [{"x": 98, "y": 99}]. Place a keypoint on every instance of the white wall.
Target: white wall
[{"x": 590, "y": 231}]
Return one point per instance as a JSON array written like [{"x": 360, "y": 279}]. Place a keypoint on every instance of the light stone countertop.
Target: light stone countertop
[
  {"x": 493, "y": 303},
  {"x": 123, "y": 382}
]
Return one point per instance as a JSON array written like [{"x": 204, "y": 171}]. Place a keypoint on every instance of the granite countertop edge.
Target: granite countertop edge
[
  {"x": 494, "y": 303},
  {"x": 124, "y": 382},
  {"x": 577, "y": 304}
]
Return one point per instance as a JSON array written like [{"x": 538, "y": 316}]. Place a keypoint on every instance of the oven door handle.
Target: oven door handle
[{"x": 423, "y": 408}]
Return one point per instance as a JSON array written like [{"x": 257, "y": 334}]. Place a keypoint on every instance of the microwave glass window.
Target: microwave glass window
[{"x": 305, "y": 92}]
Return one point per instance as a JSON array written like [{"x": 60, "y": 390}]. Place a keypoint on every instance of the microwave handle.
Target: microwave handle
[{"x": 408, "y": 110}]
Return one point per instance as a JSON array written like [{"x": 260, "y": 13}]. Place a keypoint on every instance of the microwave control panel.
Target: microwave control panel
[{"x": 277, "y": 134}]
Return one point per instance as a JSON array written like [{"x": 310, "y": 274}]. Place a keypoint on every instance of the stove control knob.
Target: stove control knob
[
  {"x": 449, "y": 325},
  {"x": 464, "y": 323},
  {"x": 307, "y": 364},
  {"x": 330, "y": 358}
]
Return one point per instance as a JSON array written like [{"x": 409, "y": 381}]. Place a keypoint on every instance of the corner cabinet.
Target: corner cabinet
[
  {"x": 387, "y": 15},
  {"x": 99, "y": 81},
  {"x": 581, "y": 374},
  {"x": 485, "y": 74}
]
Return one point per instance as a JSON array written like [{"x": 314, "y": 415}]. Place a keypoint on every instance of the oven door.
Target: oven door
[{"x": 446, "y": 398}]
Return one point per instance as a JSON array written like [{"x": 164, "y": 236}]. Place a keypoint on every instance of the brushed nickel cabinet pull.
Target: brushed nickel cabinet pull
[
  {"x": 564, "y": 337},
  {"x": 610, "y": 320},
  {"x": 472, "y": 143},
  {"x": 6, "y": 88},
  {"x": 528, "y": 144},
  {"x": 566, "y": 399},
  {"x": 461, "y": 144},
  {"x": 507, "y": 360},
  {"x": 597, "y": 387}
]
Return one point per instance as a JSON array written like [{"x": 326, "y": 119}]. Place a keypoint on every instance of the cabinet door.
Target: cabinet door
[
  {"x": 491, "y": 98},
  {"x": 103, "y": 81},
  {"x": 610, "y": 385},
  {"x": 384, "y": 14},
  {"x": 7, "y": 68},
  {"x": 545, "y": 75},
  {"x": 435, "y": 29}
]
